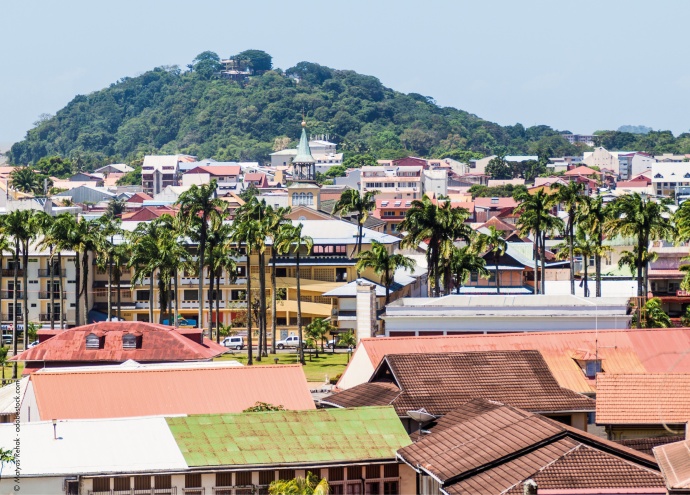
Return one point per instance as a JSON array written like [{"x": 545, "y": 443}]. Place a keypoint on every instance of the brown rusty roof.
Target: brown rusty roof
[
  {"x": 656, "y": 398},
  {"x": 646, "y": 445},
  {"x": 621, "y": 351},
  {"x": 674, "y": 461},
  {"x": 441, "y": 382},
  {"x": 116, "y": 393},
  {"x": 369, "y": 394},
  {"x": 159, "y": 343},
  {"x": 490, "y": 448}
]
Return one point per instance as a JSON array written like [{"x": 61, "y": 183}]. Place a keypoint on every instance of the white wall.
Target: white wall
[{"x": 29, "y": 486}]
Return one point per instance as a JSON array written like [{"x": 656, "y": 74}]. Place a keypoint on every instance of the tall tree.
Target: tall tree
[
  {"x": 465, "y": 261},
  {"x": 593, "y": 216},
  {"x": 571, "y": 197},
  {"x": 144, "y": 256},
  {"x": 535, "y": 218},
  {"x": 197, "y": 205},
  {"x": 352, "y": 202},
  {"x": 274, "y": 219},
  {"x": 643, "y": 220},
  {"x": 26, "y": 180},
  {"x": 290, "y": 239},
  {"x": 384, "y": 264},
  {"x": 110, "y": 229},
  {"x": 438, "y": 226}
]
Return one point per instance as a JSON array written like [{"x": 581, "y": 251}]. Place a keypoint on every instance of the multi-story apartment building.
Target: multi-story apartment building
[
  {"x": 393, "y": 182},
  {"x": 39, "y": 291},
  {"x": 159, "y": 171},
  {"x": 330, "y": 264}
]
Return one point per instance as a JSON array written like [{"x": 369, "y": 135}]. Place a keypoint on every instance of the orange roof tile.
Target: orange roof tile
[
  {"x": 657, "y": 398},
  {"x": 622, "y": 351},
  {"x": 582, "y": 170},
  {"x": 142, "y": 392},
  {"x": 674, "y": 461}
]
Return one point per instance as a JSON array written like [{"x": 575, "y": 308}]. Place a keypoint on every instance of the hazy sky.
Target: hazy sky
[{"x": 578, "y": 65}]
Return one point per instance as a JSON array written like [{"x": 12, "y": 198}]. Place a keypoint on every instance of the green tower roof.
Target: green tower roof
[{"x": 303, "y": 151}]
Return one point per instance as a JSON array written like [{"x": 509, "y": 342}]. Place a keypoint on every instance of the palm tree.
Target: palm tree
[
  {"x": 14, "y": 227},
  {"x": 110, "y": 227},
  {"x": 652, "y": 315},
  {"x": 61, "y": 237},
  {"x": 89, "y": 238},
  {"x": 592, "y": 218},
  {"x": 273, "y": 220},
  {"x": 46, "y": 230},
  {"x": 384, "y": 264},
  {"x": 465, "y": 261},
  {"x": 535, "y": 219},
  {"x": 635, "y": 217},
  {"x": 197, "y": 206},
  {"x": 26, "y": 180},
  {"x": 317, "y": 331},
  {"x": 439, "y": 227},
  {"x": 224, "y": 260},
  {"x": 352, "y": 202},
  {"x": 5, "y": 245},
  {"x": 144, "y": 257},
  {"x": 493, "y": 243},
  {"x": 584, "y": 246},
  {"x": 570, "y": 196},
  {"x": 311, "y": 485},
  {"x": 290, "y": 238}
]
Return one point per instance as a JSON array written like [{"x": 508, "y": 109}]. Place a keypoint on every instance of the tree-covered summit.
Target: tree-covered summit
[{"x": 201, "y": 113}]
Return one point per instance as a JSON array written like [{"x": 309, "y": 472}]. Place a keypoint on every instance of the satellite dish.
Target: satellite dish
[{"x": 421, "y": 416}]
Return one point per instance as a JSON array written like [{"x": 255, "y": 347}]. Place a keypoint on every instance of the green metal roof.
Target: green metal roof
[
  {"x": 303, "y": 151},
  {"x": 289, "y": 437}
]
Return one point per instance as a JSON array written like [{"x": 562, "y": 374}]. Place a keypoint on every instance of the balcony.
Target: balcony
[
  {"x": 10, "y": 317},
  {"x": 135, "y": 491},
  {"x": 47, "y": 295},
  {"x": 46, "y": 317},
  {"x": 9, "y": 294},
  {"x": 9, "y": 272},
  {"x": 46, "y": 272}
]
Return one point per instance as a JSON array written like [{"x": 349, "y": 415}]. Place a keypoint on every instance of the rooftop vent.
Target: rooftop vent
[{"x": 494, "y": 201}]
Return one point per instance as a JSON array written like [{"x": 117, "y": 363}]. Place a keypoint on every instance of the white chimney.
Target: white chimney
[{"x": 366, "y": 310}]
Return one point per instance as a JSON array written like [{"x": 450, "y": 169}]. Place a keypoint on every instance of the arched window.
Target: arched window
[
  {"x": 302, "y": 198},
  {"x": 310, "y": 199},
  {"x": 93, "y": 341},
  {"x": 294, "y": 198}
]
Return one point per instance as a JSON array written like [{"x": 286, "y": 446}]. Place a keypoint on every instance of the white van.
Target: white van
[{"x": 234, "y": 342}]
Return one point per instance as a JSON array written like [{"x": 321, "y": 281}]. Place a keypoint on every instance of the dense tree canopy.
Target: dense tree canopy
[{"x": 168, "y": 110}]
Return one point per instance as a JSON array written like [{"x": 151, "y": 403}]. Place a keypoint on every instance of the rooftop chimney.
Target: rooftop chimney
[{"x": 366, "y": 310}]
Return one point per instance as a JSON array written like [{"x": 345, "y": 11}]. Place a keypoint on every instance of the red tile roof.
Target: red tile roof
[
  {"x": 622, "y": 351},
  {"x": 142, "y": 392},
  {"x": 440, "y": 382},
  {"x": 640, "y": 399},
  {"x": 646, "y": 445},
  {"x": 159, "y": 343},
  {"x": 146, "y": 213},
  {"x": 139, "y": 197},
  {"x": 498, "y": 224},
  {"x": 493, "y": 448},
  {"x": 256, "y": 177},
  {"x": 582, "y": 170}
]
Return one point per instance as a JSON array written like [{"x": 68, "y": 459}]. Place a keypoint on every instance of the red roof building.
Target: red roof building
[
  {"x": 219, "y": 172},
  {"x": 117, "y": 342},
  {"x": 148, "y": 213},
  {"x": 257, "y": 178},
  {"x": 203, "y": 388}
]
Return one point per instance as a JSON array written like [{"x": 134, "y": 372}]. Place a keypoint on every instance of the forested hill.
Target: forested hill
[{"x": 168, "y": 110}]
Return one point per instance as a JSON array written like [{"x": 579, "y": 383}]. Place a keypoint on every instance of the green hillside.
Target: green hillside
[{"x": 168, "y": 110}]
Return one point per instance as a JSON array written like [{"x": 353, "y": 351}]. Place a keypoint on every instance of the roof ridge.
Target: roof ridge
[{"x": 541, "y": 469}]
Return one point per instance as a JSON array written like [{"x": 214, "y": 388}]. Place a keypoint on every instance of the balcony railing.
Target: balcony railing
[
  {"x": 10, "y": 317},
  {"x": 45, "y": 272},
  {"x": 9, "y": 294},
  {"x": 47, "y": 295},
  {"x": 46, "y": 317},
  {"x": 9, "y": 272}
]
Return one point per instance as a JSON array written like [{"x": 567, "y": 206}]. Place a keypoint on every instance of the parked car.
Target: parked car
[
  {"x": 33, "y": 344},
  {"x": 291, "y": 342},
  {"x": 234, "y": 342},
  {"x": 335, "y": 342}
]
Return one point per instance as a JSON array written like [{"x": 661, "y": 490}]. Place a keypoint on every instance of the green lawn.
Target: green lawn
[{"x": 315, "y": 370}]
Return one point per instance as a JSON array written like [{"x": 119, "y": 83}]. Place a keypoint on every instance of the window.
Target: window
[
  {"x": 190, "y": 295},
  {"x": 122, "y": 483},
  {"x": 281, "y": 272},
  {"x": 93, "y": 341},
  {"x": 243, "y": 478},
  {"x": 592, "y": 367},
  {"x": 101, "y": 484},
  {"x": 162, "y": 481},
  {"x": 223, "y": 479},
  {"x": 192, "y": 480},
  {"x": 142, "y": 295},
  {"x": 129, "y": 341},
  {"x": 474, "y": 276},
  {"x": 142, "y": 482},
  {"x": 238, "y": 295},
  {"x": 241, "y": 271}
]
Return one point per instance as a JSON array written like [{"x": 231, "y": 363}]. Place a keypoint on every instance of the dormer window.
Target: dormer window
[
  {"x": 592, "y": 367},
  {"x": 658, "y": 176},
  {"x": 93, "y": 341},
  {"x": 129, "y": 341}
]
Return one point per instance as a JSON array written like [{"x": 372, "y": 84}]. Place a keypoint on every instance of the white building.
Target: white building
[
  {"x": 324, "y": 153},
  {"x": 435, "y": 181},
  {"x": 457, "y": 314},
  {"x": 667, "y": 176},
  {"x": 392, "y": 182},
  {"x": 159, "y": 171}
]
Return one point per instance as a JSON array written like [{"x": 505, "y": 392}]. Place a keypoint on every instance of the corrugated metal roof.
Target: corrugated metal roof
[
  {"x": 286, "y": 437},
  {"x": 121, "y": 392},
  {"x": 657, "y": 398},
  {"x": 94, "y": 447},
  {"x": 674, "y": 461},
  {"x": 622, "y": 351}
]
